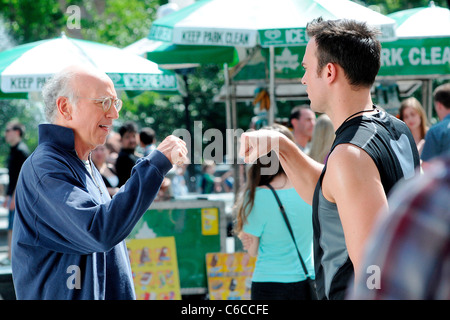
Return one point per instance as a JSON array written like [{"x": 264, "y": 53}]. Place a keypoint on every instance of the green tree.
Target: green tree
[
  {"x": 117, "y": 22},
  {"x": 390, "y": 6},
  {"x": 32, "y": 20}
]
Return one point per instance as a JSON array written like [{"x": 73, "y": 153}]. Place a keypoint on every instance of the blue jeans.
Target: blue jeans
[{"x": 280, "y": 291}]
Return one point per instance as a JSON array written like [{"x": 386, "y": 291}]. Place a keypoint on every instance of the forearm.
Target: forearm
[
  {"x": 302, "y": 171},
  {"x": 250, "y": 243}
]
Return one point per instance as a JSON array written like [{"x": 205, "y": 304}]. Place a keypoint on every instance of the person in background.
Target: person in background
[
  {"x": 69, "y": 235},
  {"x": 302, "y": 121},
  {"x": 127, "y": 156},
  {"x": 113, "y": 145},
  {"x": 107, "y": 170},
  {"x": 14, "y": 134},
  {"x": 179, "y": 186},
  {"x": 147, "y": 138},
  {"x": 322, "y": 139},
  {"x": 408, "y": 254},
  {"x": 278, "y": 273},
  {"x": 209, "y": 183},
  {"x": 412, "y": 113},
  {"x": 437, "y": 139}
]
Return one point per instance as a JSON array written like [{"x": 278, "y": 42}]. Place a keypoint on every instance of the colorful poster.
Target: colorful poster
[
  {"x": 229, "y": 275},
  {"x": 155, "y": 268},
  {"x": 210, "y": 221}
]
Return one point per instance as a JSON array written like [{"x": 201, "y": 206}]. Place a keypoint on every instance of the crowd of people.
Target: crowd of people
[{"x": 347, "y": 194}]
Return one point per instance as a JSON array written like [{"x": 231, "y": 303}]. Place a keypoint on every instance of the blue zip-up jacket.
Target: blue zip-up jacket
[{"x": 68, "y": 236}]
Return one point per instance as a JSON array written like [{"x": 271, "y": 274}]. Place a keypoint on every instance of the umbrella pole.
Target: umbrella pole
[
  {"x": 271, "y": 118},
  {"x": 231, "y": 121},
  {"x": 187, "y": 101},
  {"x": 229, "y": 136}
]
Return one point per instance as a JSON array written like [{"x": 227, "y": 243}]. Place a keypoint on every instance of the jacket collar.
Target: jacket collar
[{"x": 58, "y": 135}]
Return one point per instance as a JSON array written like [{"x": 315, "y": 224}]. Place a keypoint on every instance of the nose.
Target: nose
[
  {"x": 112, "y": 113},
  {"x": 303, "y": 79}
]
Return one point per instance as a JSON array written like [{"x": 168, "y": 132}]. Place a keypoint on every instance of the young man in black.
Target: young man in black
[{"x": 372, "y": 150}]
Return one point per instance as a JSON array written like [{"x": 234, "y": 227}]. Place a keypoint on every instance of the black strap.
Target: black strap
[{"x": 283, "y": 212}]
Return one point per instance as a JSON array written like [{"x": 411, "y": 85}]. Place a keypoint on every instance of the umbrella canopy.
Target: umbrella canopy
[
  {"x": 251, "y": 22},
  {"x": 431, "y": 21},
  {"x": 172, "y": 56},
  {"x": 25, "y": 68}
]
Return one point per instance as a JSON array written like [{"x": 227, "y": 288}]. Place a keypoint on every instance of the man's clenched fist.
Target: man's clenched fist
[{"x": 174, "y": 149}]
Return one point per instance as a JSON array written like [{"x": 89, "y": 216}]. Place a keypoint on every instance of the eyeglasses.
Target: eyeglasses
[{"x": 107, "y": 103}]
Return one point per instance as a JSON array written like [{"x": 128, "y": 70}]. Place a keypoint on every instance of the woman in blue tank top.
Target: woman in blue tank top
[{"x": 278, "y": 273}]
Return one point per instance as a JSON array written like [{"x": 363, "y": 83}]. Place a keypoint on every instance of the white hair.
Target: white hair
[{"x": 59, "y": 85}]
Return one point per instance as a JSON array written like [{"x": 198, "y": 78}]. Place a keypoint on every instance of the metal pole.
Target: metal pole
[
  {"x": 229, "y": 136},
  {"x": 271, "y": 117},
  {"x": 236, "y": 176}
]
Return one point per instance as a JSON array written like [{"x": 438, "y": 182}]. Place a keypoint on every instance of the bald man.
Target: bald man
[{"x": 68, "y": 242}]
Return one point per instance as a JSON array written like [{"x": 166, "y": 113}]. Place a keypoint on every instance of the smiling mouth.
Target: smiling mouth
[{"x": 105, "y": 127}]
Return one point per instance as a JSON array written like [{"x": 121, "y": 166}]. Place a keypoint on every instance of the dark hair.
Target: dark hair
[
  {"x": 128, "y": 126},
  {"x": 296, "y": 113},
  {"x": 147, "y": 135},
  {"x": 17, "y": 126},
  {"x": 351, "y": 44},
  {"x": 442, "y": 94},
  {"x": 245, "y": 201}
]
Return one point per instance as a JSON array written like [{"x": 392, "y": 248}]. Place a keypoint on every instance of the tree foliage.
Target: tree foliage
[
  {"x": 121, "y": 23},
  {"x": 390, "y": 6}
]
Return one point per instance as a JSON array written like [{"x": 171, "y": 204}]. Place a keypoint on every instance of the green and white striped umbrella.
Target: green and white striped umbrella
[
  {"x": 431, "y": 21},
  {"x": 249, "y": 23},
  {"x": 172, "y": 56},
  {"x": 25, "y": 68}
]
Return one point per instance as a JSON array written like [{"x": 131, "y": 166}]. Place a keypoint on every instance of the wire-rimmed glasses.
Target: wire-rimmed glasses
[{"x": 107, "y": 103}]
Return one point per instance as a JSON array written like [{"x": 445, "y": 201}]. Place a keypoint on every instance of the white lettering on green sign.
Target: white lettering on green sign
[
  {"x": 295, "y": 36},
  {"x": 437, "y": 56},
  {"x": 161, "y": 33},
  {"x": 391, "y": 57},
  {"x": 215, "y": 38},
  {"x": 415, "y": 56},
  {"x": 149, "y": 81},
  {"x": 24, "y": 84}
]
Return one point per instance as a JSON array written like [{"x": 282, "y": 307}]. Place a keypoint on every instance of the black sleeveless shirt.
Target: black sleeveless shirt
[{"x": 389, "y": 142}]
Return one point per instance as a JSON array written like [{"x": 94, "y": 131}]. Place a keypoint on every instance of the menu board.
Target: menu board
[
  {"x": 155, "y": 269},
  {"x": 229, "y": 275}
]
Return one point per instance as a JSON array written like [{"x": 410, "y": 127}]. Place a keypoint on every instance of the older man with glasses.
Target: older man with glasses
[{"x": 68, "y": 237}]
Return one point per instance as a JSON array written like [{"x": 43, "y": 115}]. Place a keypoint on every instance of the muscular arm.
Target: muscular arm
[
  {"x": 301, "y": 170},
  {"x": 353, "y": 182}
]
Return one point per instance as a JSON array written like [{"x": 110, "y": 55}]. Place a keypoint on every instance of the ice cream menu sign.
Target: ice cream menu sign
[
  {"x": 229, "y": 275},
  {"x": 155, "y": 268}
]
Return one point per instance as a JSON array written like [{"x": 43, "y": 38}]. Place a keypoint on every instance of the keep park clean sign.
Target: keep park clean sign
[
  {"x": 31, "y": 83},
  {"x": 416, "y": 57}
]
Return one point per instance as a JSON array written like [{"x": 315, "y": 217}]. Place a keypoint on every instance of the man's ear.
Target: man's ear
[
  {"x": 331, "y": 72},
  {"x": 64, "y": 107}
]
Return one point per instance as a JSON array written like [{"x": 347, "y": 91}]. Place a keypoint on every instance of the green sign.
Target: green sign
[
  {"x": 428, "y": 56},
  {"x": 199, "y": 227},
  {"x": 403, "y": 57},
  {"x": 291, "y": 36},
  {"x": 144, "y": 81}
]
